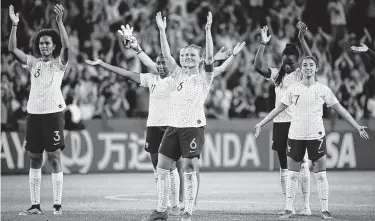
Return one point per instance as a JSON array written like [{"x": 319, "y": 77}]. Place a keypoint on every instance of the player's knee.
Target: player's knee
[
  {"x": 54, "y": 161},
  {"x": 190, "y": 164},
  {"x": 36, "y": 160}
]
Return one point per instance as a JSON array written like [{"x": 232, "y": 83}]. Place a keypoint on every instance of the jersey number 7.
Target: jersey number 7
[{"x": 296, "y": 99}]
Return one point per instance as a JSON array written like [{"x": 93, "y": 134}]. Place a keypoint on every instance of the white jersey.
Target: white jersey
[
  {"x": 307, "y": 122},
  {"x": 45, "y": 92},
  {"x": 289, "y": 79},
  {"x": 160, "y": 92},
  {"x": 187, "y": 100}
]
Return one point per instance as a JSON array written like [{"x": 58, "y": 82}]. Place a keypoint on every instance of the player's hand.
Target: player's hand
[
  {"x": 238, "y": 48},
  {"x": 209, "y": 21},
  {"x": 257, "y": 128},
  {"x": 161, "y": 22},
  {"x": 362, "y": 132},
  {"x": 222, "y": 55},
  {"x": 14, "y": 17},
  {"x": 96, "y": 62},
  {"x": 362, "y": 48},
  {"x": 263, "y": 33},
  {"x": 127, "y": 34},
  {"x": 59, "y": 10},
  {"x": 302, "y": 29}
]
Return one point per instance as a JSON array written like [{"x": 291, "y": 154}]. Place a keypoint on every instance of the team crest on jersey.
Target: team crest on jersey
[{"x": 37, "y": 74}]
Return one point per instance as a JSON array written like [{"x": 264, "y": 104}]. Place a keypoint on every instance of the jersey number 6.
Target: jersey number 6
[{"x": 180, "y": 86}]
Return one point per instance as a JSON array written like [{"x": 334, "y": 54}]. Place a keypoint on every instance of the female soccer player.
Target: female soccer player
[
  {"x": 283, "y": 78},
  {"x": 45, "y": 121},
  {"x": 307, "y": 131}
]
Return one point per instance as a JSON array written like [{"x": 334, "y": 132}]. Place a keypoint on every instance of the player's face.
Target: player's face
[
  {"x": 46, "y": 45},
  {"x": 289, "y": 63},
  {"x": 161, "y": 66},
  {"x": 192, "y": 57},
  {"x": 182, "y": 57},
  {"x": 309, "y": 67}
]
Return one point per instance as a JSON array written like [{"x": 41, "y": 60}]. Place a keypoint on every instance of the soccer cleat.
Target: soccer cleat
[
  {"x": 156, "y": 215},
  {"x": 33, "y": 210},
  {"x": 326, "y": 215},
  {"x": 57, "y": 210},
  {"x": 288, "y": 214},
  {"x": 186, "y": 217},
  {"x": 305, "y": 212},
  {"x": 175, "y": 211},
  {"x": 283, "y": 211}
]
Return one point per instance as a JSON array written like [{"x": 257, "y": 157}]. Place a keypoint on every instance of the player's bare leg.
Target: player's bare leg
[
  {"x": 54, "y": 159},
  {"x": 35, "y": 178},
  {"x": 163, "y": 171},
  {"x": 305, "y": 185},
  {"x": 291, "y": 186},
  {"x": 190, "y": 166},
  {"x": 322, "y": 185}
]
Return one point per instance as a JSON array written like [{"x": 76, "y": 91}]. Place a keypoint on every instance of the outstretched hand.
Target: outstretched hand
[
  {"x": 59, "y": 11},
  {"x": 362, "y": 132},
  {"x": 127, "y": 33},
  {"x": 302, "y": 29},
  {"x": 96, "y": 62},
  {"x": 257, "y": 128},
  {"x": 161, "y": 22},
  {"x": 209, "y": 21},
  {"x": 14, "y": 17},
  {"x": 238, "y": 48},
  {"x": 362, "y": 48},
  {"x": 222, "y": 54},
  {"x": 263, "y": 33}
]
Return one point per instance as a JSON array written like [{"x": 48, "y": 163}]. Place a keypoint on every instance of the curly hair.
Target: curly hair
[
  {"x": 55, "y": 40},
  {"x": 290, "y": 49}
]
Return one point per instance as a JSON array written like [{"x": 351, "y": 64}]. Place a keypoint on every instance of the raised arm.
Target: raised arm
[
  {"x": 301, "y": 36},
  {"x": 263, "y": 70},
  {"x": 64, "y": 54},
  {"x": 12, "y": 45},
  {"x": 346, "y": 115},
  {"x": 162, "y": 24},
  {"x": 365, "y": 49},
  {"x": 209, "y": 42},
  {"x": 225, "y": 66},
  {"x": 134, "y": 76},
  {"x": 278, "y": 109}
]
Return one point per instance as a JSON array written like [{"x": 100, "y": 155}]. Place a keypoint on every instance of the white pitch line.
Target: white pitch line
[{"x": 121, "y": 198}]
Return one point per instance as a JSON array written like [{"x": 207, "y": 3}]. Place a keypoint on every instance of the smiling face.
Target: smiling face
[
  {"x": 46, "y": 45},
  {"x": 309, "y": 67},
  {"x": 161, "y": 66},
  {"x": 192, "y": 57}
]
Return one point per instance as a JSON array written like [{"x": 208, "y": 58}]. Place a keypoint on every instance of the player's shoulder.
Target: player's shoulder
[{"x": 321, "y": 86}]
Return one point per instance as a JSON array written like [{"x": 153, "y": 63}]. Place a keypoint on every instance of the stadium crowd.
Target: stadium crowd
[{"x": 92, "y": 27}]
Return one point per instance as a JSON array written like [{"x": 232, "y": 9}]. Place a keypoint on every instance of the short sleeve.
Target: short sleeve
[
  {"x": 329, "y": 98},
  {"x": 145, "y": 79},
  {"x": 274, "y": 73},
  {"x": 30, "y": 63},
  {"x": 288, "y": 97}
]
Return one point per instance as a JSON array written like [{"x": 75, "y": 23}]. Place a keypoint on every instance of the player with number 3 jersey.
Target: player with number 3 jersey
[{"x": 45, "y": 121}]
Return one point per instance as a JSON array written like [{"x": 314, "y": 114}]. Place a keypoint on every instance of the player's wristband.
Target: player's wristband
[
  {"x": 209, "y": 67},
  {"x": 138, "y": 49},
  {"x": 14, "y": 25},
  {"x": 263, "y": 43}
]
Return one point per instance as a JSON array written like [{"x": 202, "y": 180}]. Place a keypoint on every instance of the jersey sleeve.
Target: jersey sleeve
[
  {"x": 145, "y": 79},
  {"x": 288, "y": 97},
  {"x": 274, "y": 73},
  {"x": 329, "y": 98},
  {"x": 30, "y": 63}
]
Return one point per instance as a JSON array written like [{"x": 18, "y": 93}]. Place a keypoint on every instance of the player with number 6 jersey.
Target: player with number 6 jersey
[
  {"x": 45, "y": 121},
  {"x": 307, "y": 131}
]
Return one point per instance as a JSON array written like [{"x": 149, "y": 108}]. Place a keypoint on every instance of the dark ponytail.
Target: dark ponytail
[{"x": 290, "y": 49}]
